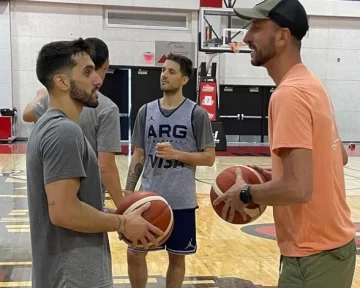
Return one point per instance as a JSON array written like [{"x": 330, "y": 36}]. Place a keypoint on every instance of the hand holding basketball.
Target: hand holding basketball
[
  {"x": 165, "y": 150},
  {"x": 266, "y": 173},
  {"x": 136, "y": 228},
  {"x": 232, "y": 199}
]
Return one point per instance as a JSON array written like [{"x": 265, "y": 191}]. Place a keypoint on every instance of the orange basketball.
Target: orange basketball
[
  {"x": 225, "y": 180},
  {"x": 159, "y": 214}
]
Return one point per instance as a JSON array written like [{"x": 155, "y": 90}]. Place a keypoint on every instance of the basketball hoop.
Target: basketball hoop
[{"x": 236, "y": 47}]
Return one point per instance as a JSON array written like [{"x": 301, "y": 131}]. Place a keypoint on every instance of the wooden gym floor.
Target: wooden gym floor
[{"x": 228, "y": 255}]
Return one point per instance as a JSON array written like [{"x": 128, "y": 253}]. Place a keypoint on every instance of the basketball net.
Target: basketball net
[
  {"x": 235, "y": 47},
  {"x": 238, "y": 46}
]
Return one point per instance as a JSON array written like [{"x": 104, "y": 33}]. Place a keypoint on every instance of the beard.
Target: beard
[
  {"x": 85, "y": 98},
  {"x": 168, "y": 89},
  {"x": 262, "y": 56}
]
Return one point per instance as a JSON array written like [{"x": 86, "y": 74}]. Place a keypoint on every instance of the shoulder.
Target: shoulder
[
  {"x": 199, "y": 112},
  {"x": 106, "y": 104},
  {"x": 60, "y": 130},
  {"x": 143, "y": 109},
  {"x": 64, "y": 127},
  {"x": 288, "y": 94}
]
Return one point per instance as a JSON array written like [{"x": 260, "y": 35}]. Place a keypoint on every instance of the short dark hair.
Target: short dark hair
[
  {"x": 186, "y": 65},
  {"x": 101, "y": 51},
  {"x": 56, "y": 57}
]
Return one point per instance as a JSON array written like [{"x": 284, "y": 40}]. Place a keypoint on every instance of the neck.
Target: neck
[
  {"x": 172, "y": 100},
  {"x": 279, "y": 66},
  {"x": 66, "y": 104}
]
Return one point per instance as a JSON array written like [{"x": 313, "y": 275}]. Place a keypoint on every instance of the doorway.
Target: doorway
[
  {"x": 132, "y": 87},
  {"x": 116, "y": 87}
]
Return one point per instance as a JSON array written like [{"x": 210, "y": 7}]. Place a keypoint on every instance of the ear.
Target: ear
[
  {"x": 185, "y": 80},
  {"x": 62, "y": 82},
  {"x": 283, "y": 37}
]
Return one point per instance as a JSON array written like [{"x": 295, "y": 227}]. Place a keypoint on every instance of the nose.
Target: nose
[
  {"x": 97, "y": 81},
  {"x": 247, "y": 37},
  {"x": 164, "y": 74}
]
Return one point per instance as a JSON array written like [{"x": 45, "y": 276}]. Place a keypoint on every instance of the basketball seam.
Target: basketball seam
[
  {"x": 144, "y": 201},
  {"x": 255, "y": 172},
  {"x": 217, "y": 189},
  {"x": 169, "y": 227}
]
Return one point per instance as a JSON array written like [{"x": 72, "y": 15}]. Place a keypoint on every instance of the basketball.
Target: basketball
[
  {"x": 225, "y": 180},
  {"x": 159, "y": 214}
]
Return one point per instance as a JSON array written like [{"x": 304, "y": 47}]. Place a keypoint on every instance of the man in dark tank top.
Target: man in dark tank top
[{"x": 171, "y": 136}]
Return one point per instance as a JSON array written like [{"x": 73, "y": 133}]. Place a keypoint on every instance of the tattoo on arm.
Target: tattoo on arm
[{"x": 133, "y": 177}]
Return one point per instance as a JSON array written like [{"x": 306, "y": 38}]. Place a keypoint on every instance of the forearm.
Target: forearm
[
  {"x": 81, "y": 217},
  {"x": 195, "y": 158},
  {"x": 110, "y": 178},
  {"x": 276, "y": 193},
  {"x": 135, "y": 170}
]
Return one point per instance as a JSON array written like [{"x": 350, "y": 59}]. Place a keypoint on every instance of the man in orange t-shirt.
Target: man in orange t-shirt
[{"x": 306, "y": 187}]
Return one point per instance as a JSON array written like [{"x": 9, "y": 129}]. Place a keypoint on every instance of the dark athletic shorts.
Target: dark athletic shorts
[{"x": 183, "y": 237}]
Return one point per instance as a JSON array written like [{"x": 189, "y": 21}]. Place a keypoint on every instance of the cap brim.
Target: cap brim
[{"x": 249, "y": 13}]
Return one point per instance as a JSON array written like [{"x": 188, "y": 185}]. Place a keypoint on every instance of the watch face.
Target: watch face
[{"x": 243, "y": 197}]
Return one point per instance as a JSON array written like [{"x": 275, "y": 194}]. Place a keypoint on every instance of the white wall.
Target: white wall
[
  {"x": 331, "y": 50},
  {"x": 34, "y": 24},
  {"x": 5, "y": 56},
  {"x": 172, "y": 4}
]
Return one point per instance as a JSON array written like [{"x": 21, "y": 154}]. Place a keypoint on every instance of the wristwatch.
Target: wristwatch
[{"x": 245, "y": 195}]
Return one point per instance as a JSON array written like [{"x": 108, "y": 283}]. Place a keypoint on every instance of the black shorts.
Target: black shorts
[{"x": 183, "y": 237}]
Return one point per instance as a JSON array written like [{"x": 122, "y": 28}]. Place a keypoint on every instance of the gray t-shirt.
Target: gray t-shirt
[
  {"x": 57, "y": 149},
  {"x": 101, "y": 125},
  {"x": 201, "y": 126}
]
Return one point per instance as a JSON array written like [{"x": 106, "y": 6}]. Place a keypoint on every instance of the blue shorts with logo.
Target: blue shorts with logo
[{"x": 182, "y": 240}]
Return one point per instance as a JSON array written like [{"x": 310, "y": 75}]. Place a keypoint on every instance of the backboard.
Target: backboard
[{"x": 218, "y": 28}]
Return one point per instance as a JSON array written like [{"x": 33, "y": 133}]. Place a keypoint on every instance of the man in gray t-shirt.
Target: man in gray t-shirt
[
  {"x": 101, "y": 125},
  {"x": 69, "y": 243},
  {"x": 171, "y": 137}
]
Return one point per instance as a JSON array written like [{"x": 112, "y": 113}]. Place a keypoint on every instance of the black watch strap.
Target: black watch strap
[{"x": 245, "y": 195}]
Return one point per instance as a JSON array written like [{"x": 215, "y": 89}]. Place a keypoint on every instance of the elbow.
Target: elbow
[
  {"x": 305, "y": 197},
  {"x": 345, "y": 160},
  {"x": 56, "y": 218},
  {"x": 304, "y": 193},
  {"x": 106, "y": 167},
  {"x": 210, "y": 157},
  {"x": 301, "y": 194},
  {"x": 211, "y": 161},
  {"x": 26, "y": 117}
]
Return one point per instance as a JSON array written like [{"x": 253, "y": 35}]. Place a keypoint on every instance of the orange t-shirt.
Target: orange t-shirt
[{"x": 301, "y": 115}]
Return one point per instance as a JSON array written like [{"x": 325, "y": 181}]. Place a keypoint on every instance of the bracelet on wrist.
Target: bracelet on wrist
[{"x": 119, "y": 226}]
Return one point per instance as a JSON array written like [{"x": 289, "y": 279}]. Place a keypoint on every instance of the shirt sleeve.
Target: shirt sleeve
[
  {"x": 291, "y": 120},
  {"x": 202, "y": 129},
  {"x": 62, "y": 149},
  {"x": 138, "y": 136},
  {"x": 108, "y": 134},
  {"x": 41, "y": 106}
]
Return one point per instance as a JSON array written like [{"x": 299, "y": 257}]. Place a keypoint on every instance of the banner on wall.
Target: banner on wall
[
  {"x": 164, "y": 48},
  {"x": 208, "y": 98}
]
